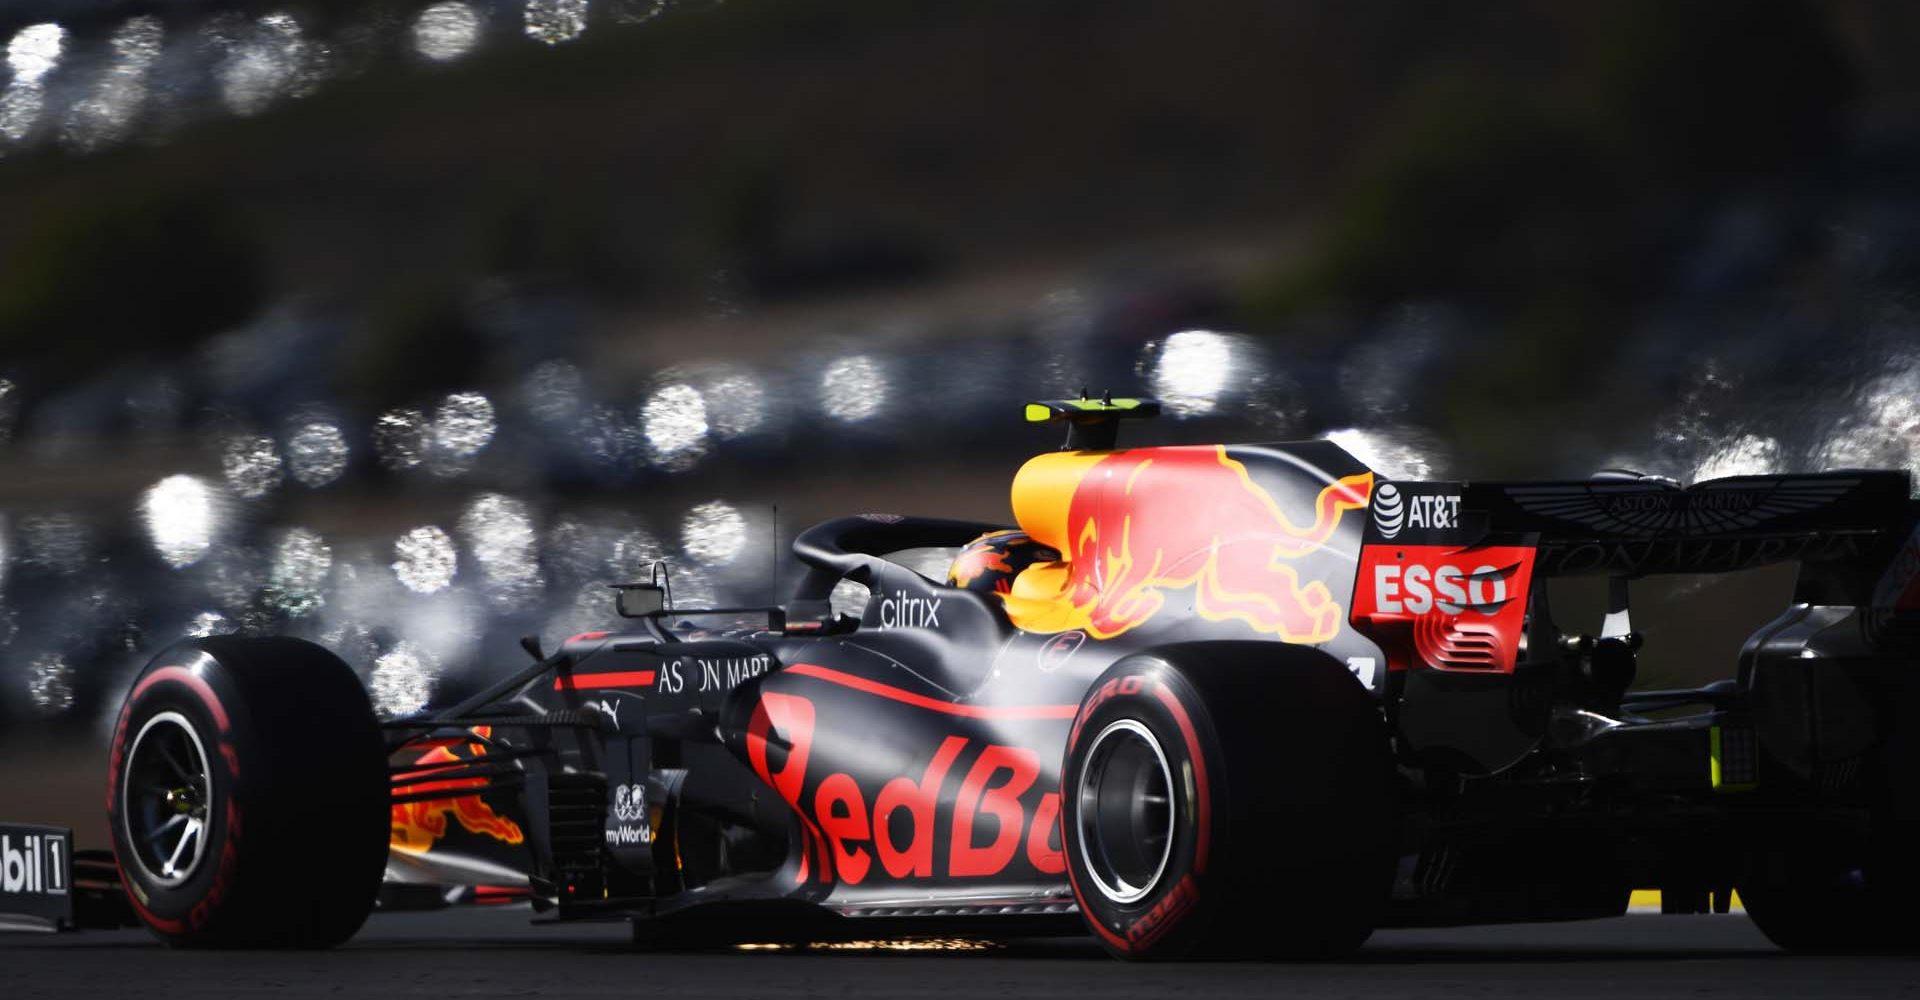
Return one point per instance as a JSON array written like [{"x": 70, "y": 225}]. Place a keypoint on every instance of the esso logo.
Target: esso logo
[
  {"x": 1418, "y": 589},
  {"x": 1442, "y": 606}
]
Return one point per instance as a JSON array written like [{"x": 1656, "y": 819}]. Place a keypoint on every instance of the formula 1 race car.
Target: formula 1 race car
[{"x": 1223, "y": 700}]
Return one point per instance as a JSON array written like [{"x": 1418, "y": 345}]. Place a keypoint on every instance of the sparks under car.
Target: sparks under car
[{"x": 1216, "y": 700}]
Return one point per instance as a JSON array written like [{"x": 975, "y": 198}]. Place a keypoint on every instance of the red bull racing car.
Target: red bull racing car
[{"x": 1225, "y": 700}]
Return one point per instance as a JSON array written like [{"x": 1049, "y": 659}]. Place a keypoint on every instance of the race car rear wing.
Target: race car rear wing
[
  {"x": 1448, "y": 571},
  {"x": 1626, "y": 526},
  {"x": 1447, "y": 586}
]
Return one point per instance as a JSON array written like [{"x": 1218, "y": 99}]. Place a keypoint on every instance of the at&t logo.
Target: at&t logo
[
  {"x": 1394, "y": 511},
  {"x": 1389, "y": 510}
]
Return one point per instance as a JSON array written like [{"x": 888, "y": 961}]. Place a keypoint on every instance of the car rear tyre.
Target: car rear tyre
[
  {"x": 1838, "y": 888},
  {"x": 247, "y": 795},
  {"x": 1830, "y": 893},
  {"x": 1229, "y": 800}
]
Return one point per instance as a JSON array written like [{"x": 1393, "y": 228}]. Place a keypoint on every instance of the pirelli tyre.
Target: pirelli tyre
[
  {"x": 247, "y": 795},
  {"x": 1230, "y": 800},
  {"x": 1832, "y": 893},
  {"x": 1846, "y": 885}
]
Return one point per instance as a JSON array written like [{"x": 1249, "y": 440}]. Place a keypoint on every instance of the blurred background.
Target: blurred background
[{"x": 406, "y": 326}]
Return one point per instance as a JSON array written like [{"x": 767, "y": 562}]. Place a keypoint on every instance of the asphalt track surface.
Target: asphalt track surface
[{"x": 494, "y": 953}]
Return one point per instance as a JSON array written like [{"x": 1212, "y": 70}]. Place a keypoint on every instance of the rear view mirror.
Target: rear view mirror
[{"x": 639, "y": 600}]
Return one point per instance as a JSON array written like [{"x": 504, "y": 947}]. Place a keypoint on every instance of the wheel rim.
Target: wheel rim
[
  {"x": 1125, "y": 799},
  {"x": 166, "y": 799}
]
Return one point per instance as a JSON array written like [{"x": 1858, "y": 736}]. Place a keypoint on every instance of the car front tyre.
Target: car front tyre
[{"x": 247, "y": 795}]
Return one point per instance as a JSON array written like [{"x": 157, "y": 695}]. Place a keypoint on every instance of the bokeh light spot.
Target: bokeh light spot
[
  {"x": 853, "y": 388},
  {"x": 737, "y": 404},
  {"x": 676, "y": 425},
  {"x": 317, "y": 454},
  {"x": 9, "y": 407},
  {"x": 302, "y": 562},
  {"x": 425, "y": 560},
  {"x": 446, "y": 31},
  {"x": 32, "y": 53},
  {"x": 251, "y": 465},
  {"x": 35, "y": 50},
  {"x": 402, "y": 680},
  {"x": 180, "y": 518},
  {"x": 108, "y": 110},
  {"x": 463, "y": 425},
  {"x": 714, "y": 533},
  {"x": 50, "y": 684},
  {"x": 552, "y": 392},
  {"x": 1193, "y": 370},
  {"x": 268, "y": 61},
  {"x": 556, "y": 21},
  {"x": 499, "y": 532},
  {"x": 400, "y": 438},
  {"x": 208, "y": 623}
]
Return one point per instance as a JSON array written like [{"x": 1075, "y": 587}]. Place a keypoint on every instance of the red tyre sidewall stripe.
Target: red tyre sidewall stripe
[
  {"x": 194, "y": 683},
  {"x": 1119, "y": 943},
  {"x": 158, "y": 923},
  {"x": 1080, "y": 900},
  {"x": 1203, "y": 809},
  {"x": 223, "y": 722}
]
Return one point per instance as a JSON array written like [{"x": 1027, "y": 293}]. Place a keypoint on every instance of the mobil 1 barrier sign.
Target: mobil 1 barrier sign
[{"x": 36, "y": 877}]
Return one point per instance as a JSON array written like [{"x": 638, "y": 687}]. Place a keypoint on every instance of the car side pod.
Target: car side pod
[{"x": 1230, "y": 800}]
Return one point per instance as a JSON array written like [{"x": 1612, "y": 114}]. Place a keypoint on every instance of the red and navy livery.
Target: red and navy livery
[{"x": 1223, "y": 700}]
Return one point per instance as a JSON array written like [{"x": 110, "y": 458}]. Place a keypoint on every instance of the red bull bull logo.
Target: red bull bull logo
[
  {"x": 1142, "y": 524},
  {"x": 417, "y": 826}
]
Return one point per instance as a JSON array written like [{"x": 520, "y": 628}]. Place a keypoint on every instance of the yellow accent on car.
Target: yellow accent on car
[
  {"x": 1047, "y": 411},
  {"x": 1717, "y": 770},
  {"x": 1043, "y": 491},
  {"x": 1648, "y": 900}
]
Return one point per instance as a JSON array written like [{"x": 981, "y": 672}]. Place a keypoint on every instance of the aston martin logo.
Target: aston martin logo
[{"x": 1634, "y": 511}]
